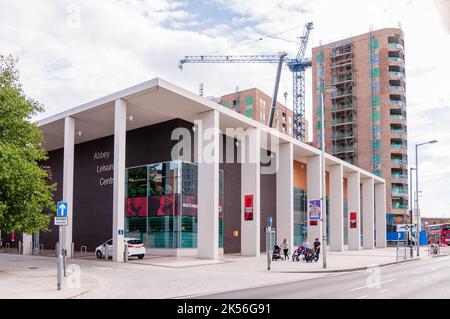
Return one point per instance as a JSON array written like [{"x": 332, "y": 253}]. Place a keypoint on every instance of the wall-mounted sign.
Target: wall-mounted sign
[
  {"x": 314, "y": 209},
  {"x": 248, "y": 207},
  {"x": 353, "y": 219}
]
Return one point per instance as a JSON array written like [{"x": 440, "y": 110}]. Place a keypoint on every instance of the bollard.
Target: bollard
[
  {"x": 72, "y": 251},
  {"x": 64, "y": 253},
  {"x": 41, "y": 249},
  {"x": 125, "y": 253},
  {"x": 106, "y": 252},
  {"x": 20, "y": 247},
  {"x": 405, "y": 251},
  {"x": 58, "y": 271}
]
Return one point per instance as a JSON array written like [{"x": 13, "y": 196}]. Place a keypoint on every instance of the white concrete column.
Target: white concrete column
[
  {"x": 285, "y": 194},
  {"x": 368, "y": 213},
  {"x": 354, "y": 206},
  {"x": 208, "y": 186},
  {"x": 120, "y": 130},
  {"x": 314, "y": 180},
  {"x": 336, "y": 214},
  {"x": 250, "y": 151},
  {"x": 380, "y": 214},
  {"x": 27, "y": 241},
  {"x": 69, "y": 150}
]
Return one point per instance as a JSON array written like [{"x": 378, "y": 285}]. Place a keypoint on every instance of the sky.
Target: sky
[{"x": 71, "y": 52}]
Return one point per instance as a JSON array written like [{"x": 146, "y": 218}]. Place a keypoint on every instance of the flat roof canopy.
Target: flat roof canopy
[{"x": 157, "y": 101}]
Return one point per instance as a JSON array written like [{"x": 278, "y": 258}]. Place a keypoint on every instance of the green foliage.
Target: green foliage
[{"x": 24, "y": 191}]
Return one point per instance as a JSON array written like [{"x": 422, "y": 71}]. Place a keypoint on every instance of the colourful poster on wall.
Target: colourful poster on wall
[
  {"x": 136, "y": 207},
  {"x": 314, "y": 209},
  {"x": 353, "y": 219},
  {"x": 163, "y": 205},
  {"x": 248, "y": 207}
]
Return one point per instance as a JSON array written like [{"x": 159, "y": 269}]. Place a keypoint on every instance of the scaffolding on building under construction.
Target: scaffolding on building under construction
[{"x": 343, "y": 103}]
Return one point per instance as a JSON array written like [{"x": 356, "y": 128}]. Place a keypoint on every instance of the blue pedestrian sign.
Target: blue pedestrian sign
[{"x": 62, "y": 209}]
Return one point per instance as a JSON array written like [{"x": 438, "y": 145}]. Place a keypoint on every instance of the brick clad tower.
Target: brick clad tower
[
  {"x": 256, "y": 104},
  {"x": 366, "y": 117}
]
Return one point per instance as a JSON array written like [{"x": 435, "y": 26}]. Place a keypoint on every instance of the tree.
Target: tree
[{"x": 24, "y": 192}]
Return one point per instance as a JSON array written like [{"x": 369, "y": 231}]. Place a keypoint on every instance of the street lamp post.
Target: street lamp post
[
  {"x": 330, "y": 88},
  {"x": 411, "y": 211},
  {"x": 417, "y": 195}
]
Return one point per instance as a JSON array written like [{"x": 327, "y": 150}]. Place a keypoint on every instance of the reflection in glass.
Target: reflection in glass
[{"x": 161, "y": 204}]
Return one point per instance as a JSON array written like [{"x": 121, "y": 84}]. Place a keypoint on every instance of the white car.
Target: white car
[{"x": 135, "y": 248}]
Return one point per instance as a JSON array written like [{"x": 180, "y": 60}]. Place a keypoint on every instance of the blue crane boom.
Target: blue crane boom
[{"x": 297, "y": 66}]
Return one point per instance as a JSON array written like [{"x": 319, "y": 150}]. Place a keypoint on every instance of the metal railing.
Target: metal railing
[
  {"x": 340, "y": 107},
  {"x": 396, "y": 73},
  {"x": 399, "y": 206},
  {"x": 399, "y": 161},
  {"x": 399, "y": 176},
  {"x": 398, "y": 131},
  {"x": 341, "y": 80},
  {"x": 397, "y": 117},
  {"x": 396, "y": 59},
  {"x": 343, "y": 120},
  {"x": 396, "y": 88},
  {"x": 397, "y": 102},
  {"x": 400, "y": 146},
  {"x": 343, "y": 149},
  {"x": 342, "y": 93},
  {"x": 395, "y": 45},
  {"x": 342, "y": 135},
  {"x": 399, "y": 191}
]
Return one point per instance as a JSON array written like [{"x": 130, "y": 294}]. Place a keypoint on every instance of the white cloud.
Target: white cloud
[{"x": 75, "y": 51}]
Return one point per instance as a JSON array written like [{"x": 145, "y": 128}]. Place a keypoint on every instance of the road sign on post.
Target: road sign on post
[{"x": 61, "y": 220}]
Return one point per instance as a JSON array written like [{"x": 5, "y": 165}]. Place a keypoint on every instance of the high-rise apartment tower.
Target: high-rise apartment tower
[{"x": 366, "y": 117}]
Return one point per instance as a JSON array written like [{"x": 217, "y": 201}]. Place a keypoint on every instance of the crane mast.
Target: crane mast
[{"x": 296, "y": 65}]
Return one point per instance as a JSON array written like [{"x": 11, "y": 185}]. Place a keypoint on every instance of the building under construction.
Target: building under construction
[
  {"x": 255, "y": 104},
  {"x": 366, "y": 117}
]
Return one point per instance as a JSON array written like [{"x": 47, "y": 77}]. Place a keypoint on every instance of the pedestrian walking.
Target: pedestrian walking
[
  {"x": 316, "y": 245},
  {"x": 285, "y": 246}
]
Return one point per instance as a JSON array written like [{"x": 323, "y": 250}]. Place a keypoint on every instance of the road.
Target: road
[{"x": 428, "y": 278}]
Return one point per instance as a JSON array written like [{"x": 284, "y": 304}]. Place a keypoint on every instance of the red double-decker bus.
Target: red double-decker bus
[{"x": 439, "y": 234}]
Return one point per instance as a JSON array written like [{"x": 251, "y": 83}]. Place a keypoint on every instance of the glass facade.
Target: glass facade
[
  {"x": 301, "y": 221},
  {"x": 300, "y": 217},
  {"x": 161, "y": 204}
]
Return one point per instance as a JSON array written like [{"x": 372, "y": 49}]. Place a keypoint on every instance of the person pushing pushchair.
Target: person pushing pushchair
[{"x": 302, "y": 250}]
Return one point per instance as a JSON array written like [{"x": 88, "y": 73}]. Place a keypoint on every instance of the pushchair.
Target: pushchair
[
  {"x": 276, "y": 255},
  {"x": 296, "y": 255},
  {"x": 311, "y": 255}
]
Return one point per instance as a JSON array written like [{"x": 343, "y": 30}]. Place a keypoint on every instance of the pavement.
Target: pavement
[{"x": 173, "y": 277}]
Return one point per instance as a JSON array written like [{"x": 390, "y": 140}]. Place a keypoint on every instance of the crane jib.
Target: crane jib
[{"x": 297, "y": 66}]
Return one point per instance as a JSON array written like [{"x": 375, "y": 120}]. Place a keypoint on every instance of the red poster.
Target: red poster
[
  {"x": 248, "y": 207},
  {"x": 353, "y": 219},
  {"x": 136, "y": 207}
]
